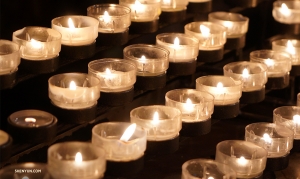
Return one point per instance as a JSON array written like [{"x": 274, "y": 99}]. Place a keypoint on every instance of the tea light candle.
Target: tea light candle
[
  {"x": 117, "y": 77},
  {"x": 162, "y": 124},
  {"x": 286, "y": 12},
  {"x": 76, "y": 160},
  {"x": 196, "y": 108},
  {"x": 5, "y": 146},
  {"x": 279, "y": 65},
  {"x": 183, "y": 50},
  {"x": 173, "y": 10},
  {"x": 78, "y": 35},
  {"x": 206, "y": 169},
  {"x": 124, "y": 145},
  {"x": 246, "y": 158},
  {"x": 276, "y": 139},
  {"x": 27, "y": 170},
  {"x": 226, "y": 92},
  {"x": 9, "y": 60},
  {"x": 291, "y": 46},
  {"x": 237, "y": 27},
  {"x": 114, "y": 21},
  {"x": 151, "y": 61},
  {"x": 212, "y": 38},
  {"x": 254, "y": 77},
  {"x": 144, "y": 14}
]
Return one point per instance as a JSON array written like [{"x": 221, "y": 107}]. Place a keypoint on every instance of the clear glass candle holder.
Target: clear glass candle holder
[
  {"x": 115, "y": 75},
  {"x": 288, "y": 116},
  {"x": 247, "y": 159},
  {"x": 74, "y": 90},
  {"x": 236, "y": 24},
  {"x": 38, "y": 43},
  {"x": 252, "y": 74},
  {"x": 182, "y": 47},
  {"x": 76, "y": 160},
  {"x": 194, "y": 105},
  {"x": 143, "y": 10},
  {"x": 76, "y": 30},
  {"x": 291, "y": 46},
  {"x": 279, "y": 63},
  {"x": 276, "y": 139},
  {"x": 112, "y": 18},
  {"x": 9, "y": 57},
  {"x": 160, "y": 122},
  {"x": 173, "y": 5},
  {"x": 107, "y": 135},
  {"x": 211, "y": 36},
  {"x": 286, "y": 12},
  {"x": 206, "y": 169},
  {"x": 225, "y": 89},
  {"x": 150, "y": 60},
  {"x": 28, "y": 170}
]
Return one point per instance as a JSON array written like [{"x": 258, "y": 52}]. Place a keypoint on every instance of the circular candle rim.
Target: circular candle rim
[
  {"x": 278, "y": 4},
  {"x": 14, "y": 115},
  {"x": 13, "y": 44},
  {"x": 221, "y": 28},
  {"x": 236, "y": 82},
  {"x": 188, "y": 90},
  {"x": 6, "y": 137},
  {"x": 76, "y": 16},
  {"x": 293, "y": 108},
  {"x": 262, "y": 67},
  {"x": 253, "y": 55},
  {"x": 243, "y": 18},
  {"x": 179, "y": 35},
  {"x": 111, "y": 5},
  {"x": 110, "y": 60}
]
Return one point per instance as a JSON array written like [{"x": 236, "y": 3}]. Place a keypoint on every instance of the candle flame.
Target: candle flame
[
  {"x": 71, "y": 24},
  {"x": 285, "y": 10},
  {"x": 188, "y": 105},
  {"x": 35, "y": 43},
  {"x": 242, "y": 160},
  {"x": 210, "y": 177},
  {"x": 220, "y": 85},
  {"x": 107, "y": 71},
  {"x": 269, "y": 62},
  {"x": 72, "y": 85},
  {"x": 290, "y": 47},
  {"x": 267, "y": 138},
  {"x": 245, "y": 73},
  {"x": 176, "y": 42},
  {"x": 78, "y": 157},
  {"x": 30, "y": 119},
  {"x": 296, "y": 119},
  {"x": 106, "y": 17},
  {"x": 155, "y": 118},
  {"x": 128, "y": 132},
  {"x": 204, "y": 30},
  {"x": 143, "y": 59}
]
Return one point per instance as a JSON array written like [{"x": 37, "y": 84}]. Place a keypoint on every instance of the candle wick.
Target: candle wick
[
  {"x": 135, "y": 14},
  {"x": 113, "y": 26},
  {"x": 174, "y": 56}
]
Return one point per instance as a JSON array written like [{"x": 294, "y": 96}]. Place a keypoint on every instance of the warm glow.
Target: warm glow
[
  {"x": 71, "y": 24},
  {"x": 270, "y": 62},
  {"x": 285, "y": 10},
  {"x": 242, "y": 161},
  {"x": 128, "y": 132},
  {"x": 107, "y": 71},
  {"x": 188, "y": 105},
  {"x": 210, "y": 178},
  {"x": 220, "y": 85},
  {"x": 290, "y": 47},
  {"x": 155, "y": 118},
  {"x": 35, "y": 44},
  {"x": 245, "y": 73},
  {"x": 296, "y": 119},
  {"x": 78, "y": 157},
  {"x": 176, "y": 42},
  {"x": 106, "y": 17},
  {"x": 267, "y": 138},
  {"x": 30, "y": 119},
  {"x": 72, "y": 85},
  {"x": 143, "y": 59},
  {"x": 137, "y": 5},
  {"x": 204, "y": 30}
]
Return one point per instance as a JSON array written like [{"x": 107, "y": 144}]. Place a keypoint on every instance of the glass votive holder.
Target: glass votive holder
[
  {"x": 32, "y": 126},
  {"x": 76, "y": 160},
  {"x": 237, "y": 27},
  {"x": 162, "y": 124},
  {"x": 226, "y": 92},
  {"x": 27, "y": 170},
  {"x": 291, "y": 46},
  {"x": 279, "y": 65},
  {"x": 117, "y": 77},
  {"x": 276, "y": 139},
  {"x": 173, "y": 10},
  {"x": 196, "y": 108},
  {"x": 78, "y": 35},
  {"x": 9, "y": 60},
  {"x": 183, "y": 50},
  {"x": 144, "y": 15},
  {"x": 5, "y": 146},
  {"x": 114, "y": 22},
  {"x": 247, "y": 159},
  {"x": 206, "y": 169},
  {"x": 152, "y": 63},
  {"x": 74, "y": 96},
  {"x": 286, "y": 12},
  {"x": 124, "y": 144},
  {"x": 212, "y": 38},
  {"x": 254, "y": 77}
]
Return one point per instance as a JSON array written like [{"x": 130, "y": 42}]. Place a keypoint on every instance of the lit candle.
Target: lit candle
[
  {"x": 76, "y": 160},
  {"x": 246, "y": 158},
  {"x": 27, "y": 170},
  {"x": 286, "y": 12}
]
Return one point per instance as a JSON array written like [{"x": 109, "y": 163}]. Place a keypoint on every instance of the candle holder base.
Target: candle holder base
[
  {"x": 163, "y": 147},
  {"x": 126, "y": 168},
  {"x": 235, "y": 43},
  {"x": 143, "y": 27},
  {"x": 182, "y": 68},
  {"x": 112, "y": 39},
  {"x": 296, "y": 146},
  {"x": 249, "y": 97},
  {"x": 5, "y": 150},
  {"x": 295, "y": 71},
  {"x": 150, "y": 82},
  {"x": 172, "y": 16},
  {"x": 210, "y": 56},
  {"x": 33, "y": 134},
  {"x": 243, "y": 3},
  {"x": 278, "y": 82},
  {"x": 78, "y": 52},
  {"x": 8, "y": 80},
  {"x": 75, "y": 116},
  {"x": 40, "y": 66},
  {"x": 226, "y": 111},
  {"x": 198, "y": 128},
  {"x": 278, "y": 163},
  {"x": 116, "y": 98},
  {"x": 199, "y": 7}
]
